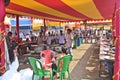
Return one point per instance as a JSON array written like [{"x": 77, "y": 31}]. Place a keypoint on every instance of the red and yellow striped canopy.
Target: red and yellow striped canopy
[{"x": 63, "y": 10}]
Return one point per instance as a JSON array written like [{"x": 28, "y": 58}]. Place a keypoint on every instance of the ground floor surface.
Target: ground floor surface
[{"x": 84, "y": 65}]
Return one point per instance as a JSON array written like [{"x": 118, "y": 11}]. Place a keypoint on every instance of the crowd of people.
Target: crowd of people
[
  {"x": 51, "y": 38},
  {"x": 14, "y": 44},
  {"x": 65, "y": 39}
]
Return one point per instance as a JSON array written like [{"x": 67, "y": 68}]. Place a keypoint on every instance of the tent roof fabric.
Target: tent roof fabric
[{"x": 63, "y": 10}]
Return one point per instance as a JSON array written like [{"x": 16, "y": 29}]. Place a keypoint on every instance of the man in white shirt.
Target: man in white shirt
[
  {"x": 61, "y": 38},
  {"x": 31, "y": 34},
  {"x": 69, "y": 41},
  {"x": 49, "y": 37}
]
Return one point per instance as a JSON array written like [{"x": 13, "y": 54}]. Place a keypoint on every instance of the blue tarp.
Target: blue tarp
[
  {"x": 21, "y": 22},
  {"x": 24, "y": 24}
]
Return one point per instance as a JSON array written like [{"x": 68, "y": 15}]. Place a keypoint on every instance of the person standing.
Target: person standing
[
  {"x": 40, "y": 39},
  {"x": 9, "y": 46},
  {"x": 69, "y": 41},
  {"x": 61, "y": 38},
  {"x": 49, "y": 37},
  {"x": 8, "y": 39},
  {"x": 31, "y": 34}
]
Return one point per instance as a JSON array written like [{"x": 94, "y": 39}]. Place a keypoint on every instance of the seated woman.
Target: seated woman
[{"x": 54, "y": 66}]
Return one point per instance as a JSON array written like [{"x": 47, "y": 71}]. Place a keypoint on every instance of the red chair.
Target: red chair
[{"x": 48, "y": 55}]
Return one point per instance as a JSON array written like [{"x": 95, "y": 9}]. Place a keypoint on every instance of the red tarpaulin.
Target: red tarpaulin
[
  {"x": 117, "y": 54},
  {"x": 63, "y": 10}
]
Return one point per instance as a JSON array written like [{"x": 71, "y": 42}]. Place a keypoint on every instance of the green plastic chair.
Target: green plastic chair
[
  {"x": 38, "y": 69},
  {"x": 65, "y": 67}
]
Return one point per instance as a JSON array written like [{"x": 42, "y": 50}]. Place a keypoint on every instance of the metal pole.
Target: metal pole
[{"x": 17, "y": 26}]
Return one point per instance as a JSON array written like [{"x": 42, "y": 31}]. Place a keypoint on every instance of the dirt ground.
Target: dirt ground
[{"x": 84, "y": 65}]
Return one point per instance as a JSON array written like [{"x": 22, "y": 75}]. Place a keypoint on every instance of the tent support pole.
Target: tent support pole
[
  {"x": 44, "y": 27},
  {"x": 116, "y": 75},
  {"x": 2, "y": 37},
  {"x": 17, "y": 26}
]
